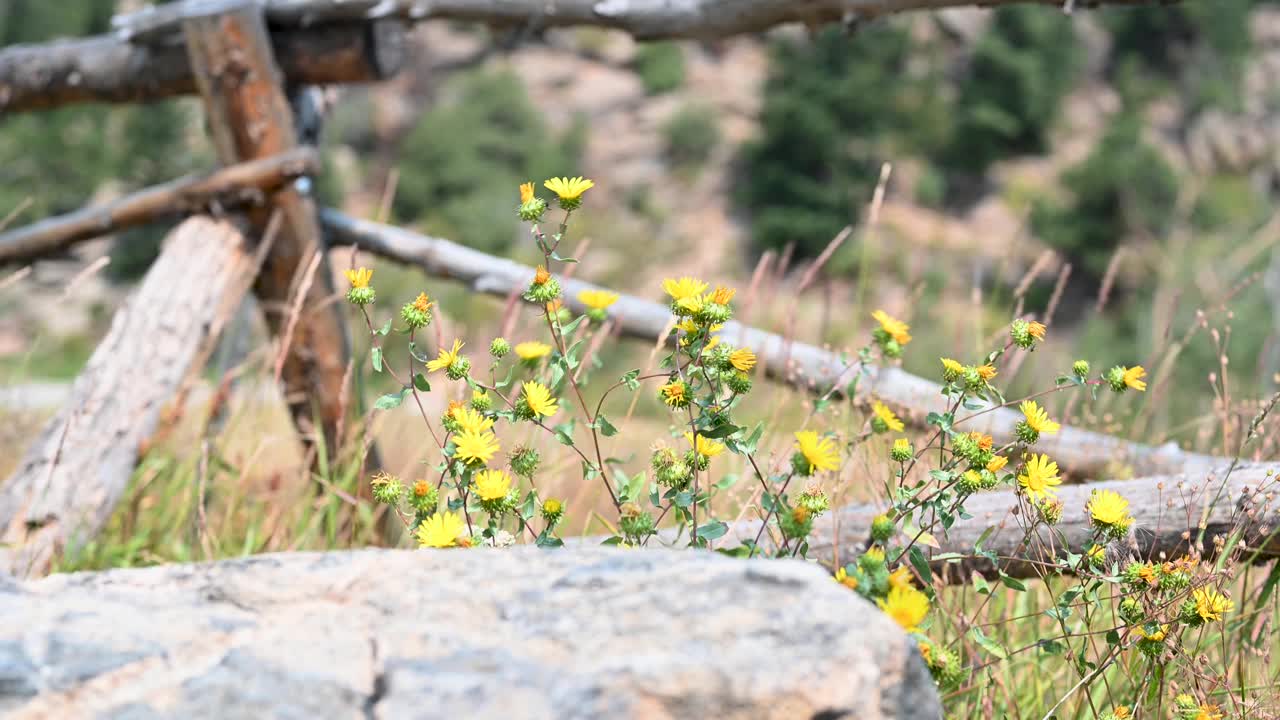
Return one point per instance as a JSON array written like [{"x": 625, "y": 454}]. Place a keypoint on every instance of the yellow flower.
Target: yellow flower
[
  {"x": 901, "y": 578},
  {"x": 997, "y": 463},
  {"x": 985, "y": 442},
  {"x": 692, "y": 304},
  {"x": 359, "y": 278},
  {"x": 846, "y": 579},
  {"x": 569, "y": 188},
  {"x": 706, "y": 447},
  {"x": 541, "y": 276},
  {"x": 532, "y": 350},
  {"x": 441, "y": 530},
  {"x": 1096, "y": 553},
  {"x": 1037, "y": 418},
  {"x": 1133, "y": 378},
  {"x": 1035, "y": 329},
  {"x": 907, "y": 606},
  {"x": 538, "y": 397},
  {"x": 492, "y": 484},
  {"x": 674, "y": 393},
  {"x": 722, "y": 295},
  {"x": 597, "y": 299},
  {"x": 951, "y": 367},
  {"x": 986, "y": 372},
  {"x": 1157, "y": 636},
  {"x": 446, "y": 357},
  {"x": 1121, "y": 712},
  {"x": 926, "y": 652},
  {"x": 742, "y": 359},
  {"x": 422, "y": 302},
  {"x": 472, "y": 446},
  {"x": 1040, "y": 477},
  {"x": 821, "y": 452},
  {"x": 1108, "y": 507},
  {"x": 469, "y": 420},
  {"x": 1209, "y": 711},
  {"x": 1211, "y": 604},
  {"x": 886, "y": 416},
  {"x": 526, "y": 192},
  {"x": 685, "y": 287},
  {"x": 896, "y": 329}
]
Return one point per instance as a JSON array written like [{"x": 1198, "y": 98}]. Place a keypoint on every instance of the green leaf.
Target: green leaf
[
  {"x": 1051, "y": 647},
  {"x": 386, "y": 328},
  {"x": 556, "y": 256},
  {"x": 391, "y": 400},
  {"x": 712, "y": 530},
  {"x": 606, "y": 428},
  {"x": 549, "y": 541},
  {"x": 564, "y": 431},
  {"x": 420, "y": 382},
  {"x": 918, "y": 561},
  {"x": 615, "y": 540},
  {"x": 629, "y": 379},
  {"x": 1012, "y": 583},
  {"x": 991, "y": 646},
  {"x": 376, "y": 355},
  {"x": 720, "y": 432},
  {"x": 727, "y": 481}
]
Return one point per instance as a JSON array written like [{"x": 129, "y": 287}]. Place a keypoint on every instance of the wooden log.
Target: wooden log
[
  {"x": 109, "y": 69},
  {"x": 1082, "y": 452},
  {"x": 225, "y": 189},
  {"x": 249, "y": 118},
  {"x": 68, "y": 483}
]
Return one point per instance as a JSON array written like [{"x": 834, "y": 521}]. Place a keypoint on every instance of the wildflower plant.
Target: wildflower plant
[{"x": 484, "y": 486}]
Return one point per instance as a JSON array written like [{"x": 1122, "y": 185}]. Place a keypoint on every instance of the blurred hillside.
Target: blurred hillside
[{"x": 1112, "y": 172}]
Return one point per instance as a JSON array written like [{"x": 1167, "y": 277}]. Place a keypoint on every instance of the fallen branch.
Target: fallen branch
[
  {"x": 1082, "y": 452},
  {"x": 71, "y": 478},
  {"x": 230, "y": 187}
]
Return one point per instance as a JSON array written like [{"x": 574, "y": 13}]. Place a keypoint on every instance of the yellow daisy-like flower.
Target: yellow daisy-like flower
[
  {"x": 359, "y": 278},
  {"x": 986, "y": 372},
  {"x": 845, "y": 579},
  {"x": 895, "y": 328},
  {"x": 886, "y": 416},
  {"x": 446, "y": 357},
  {"x": 685, "y": 287},
  {"x": 1036, "y": 329},
  {"x": 597, "y": 299},
  {"x": 470, "y": 420},
  {"x": 907, "y": 606},
  {"x": 1096, "y": 553},
  {"x": 1157, "y": 636},
  {"x": 1209, "y": 711},
  {"x": 1133, "y": 378},
  {"x": 1039, "y": 477},
  {"x": 997, "y": 463},
  {"x": 569, "y": 188},
  {"x": 692, "y": 304},
  {"x": 441, "y": 530},
  {"x": 541, "y": 275},
  {"x": 472, "y": 446},
  {"x": 1211, "y": 605},
  {"x": 526, "y": 192},
  {"x": 985, "y": 442},
  {"x": 1108, "y": 507},
  {"x": 952, "y": 367},
  {"x": 1121, "y": 712},
  {"x": 422, "y": 302},
  {"x": 901, "y": 578},
  {"x": 706, "y": 447},
  {"x": 722, "y": 295},
  {"x": 674, "y": 393},
  {"x": 742, "y": 359},
  {"x": 492, "y": 484},
  {"x": 821, "y": 452},
  {"x": 532, "y": 350},
  {"x": 1037, "y": 418},
  {"x": 538, "y": 397}
]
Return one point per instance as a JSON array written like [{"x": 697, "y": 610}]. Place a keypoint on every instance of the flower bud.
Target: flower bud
[
  {"x": 1080, "y": 369},
  {"x": 425, "y": 498},
  {"x": 882, "y": 528},
  {"x": 387, "y": 488},
  {"x": 552, "y": 511},
  {"x": 524, "y": 461},
  {"x": 499, "y": 348},
  {"x": 417, "y": 314}
]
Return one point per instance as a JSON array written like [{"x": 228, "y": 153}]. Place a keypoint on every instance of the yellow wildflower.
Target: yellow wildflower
[
  {"x": 569, "y": 188},
  {"x": 541, "y": 276},
  {"x": 492, "y": 484},
  {"x": 685, "y": 287},
  {"x": 722, "y": 295},
  {"x": 526, "y": 192},
  {"x": 1121, "y": 712},
  {"x": 532, "y": 350},
  {"x": 441, "y": 530},
  {"x": 986, "y": 372},
  {"x": 472, "y": 446},
  {"x": 1133, "y": 378},
  {"x": 359, "y": 278},
  {"x": 469, "y": 420},
  {"x": 1211, "y": 605},
  {"x": 886, "y": 416},
  {"x": 675, "y": 393},
  {"x": 997, "y": 463},
  {"x": 952, "y": 368},
  {"x": 847, "y": 580},
  {"x": 985, "y": 442},
  {"x": 706, "y": 447},
  {"x": 446, "y": 357},
  {"x": 896, "y": 329},
  {"x": 742, "y": 359},
  {"x": 1037, "y": 418},
  {"x": 907, "y": 606},
  {"x": 901, "y": 578},
  {"x": 1036, "y": 329},
  {"x": 1209, "y": 711},
  {"x": 1108, "y": 507},
  {"x": 422, "y": 302},
  {"x": 597, "y": 299},
  {"x": 1157, "y": 636},
  {"x": 538, "y": 397},
  {"x": 1039, "y": 477},
  {"x": 820, "y": 452}
]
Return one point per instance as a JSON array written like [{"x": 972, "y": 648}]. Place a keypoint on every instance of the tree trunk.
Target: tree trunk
[{"x": 70, "y": 480}]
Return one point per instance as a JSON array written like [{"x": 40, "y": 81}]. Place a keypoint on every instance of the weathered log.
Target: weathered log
[
  {"x": 70, "y": 480},
  {"x": 228, "y": 188},
  {"x": 108, "y": 69},
  {"x": 1082, "y": 452},
  {"x": 249, "y": 118}
]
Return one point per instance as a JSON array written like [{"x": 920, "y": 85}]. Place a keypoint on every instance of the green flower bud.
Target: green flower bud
[
  {"x": 532, "y": 210},
  {"x": 417, "y": 314},
  {"x": 883, "y": 528},
  {"x": 970, "y": 482},
  {"x": 1051, "y": 510},
  {"x": 361, "y": 296},
  {"x": 1115, "y": 378},
  {"x": 797, "y": 523},
  {"x": 598, "y": 315},
  {"x": 543, "y": 289},
  {"x": 989, "y": 479},
  {"x": 872, "y": 560},
  {"x": 902, "y": 451},
  {"x": 552, "y": 511},
  {"x": 891, "y": 348},
  {"x": 481, "y": 401},
  {"x": 1026, "y": 434},
  {"x": 387, "y": 489},
  {"x": 713, "y": 314},
  {"x": 425, "y": 497},
  {"x": 524, "y": 461},
  {"x": 499, "y": 348},
  {"x": 738, "y": 382},
  {"x": 458, "y": 369},
  {"x": 1080, "y": 369},
  {"x": 1132, "y": 612},
  {"x": 800, "y": 465},
  {"x": 814, "y": 500},
  {"x": 636, "y": 524}
]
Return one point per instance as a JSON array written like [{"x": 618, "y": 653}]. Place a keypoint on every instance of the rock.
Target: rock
[{"x": 512, "y": 634}]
